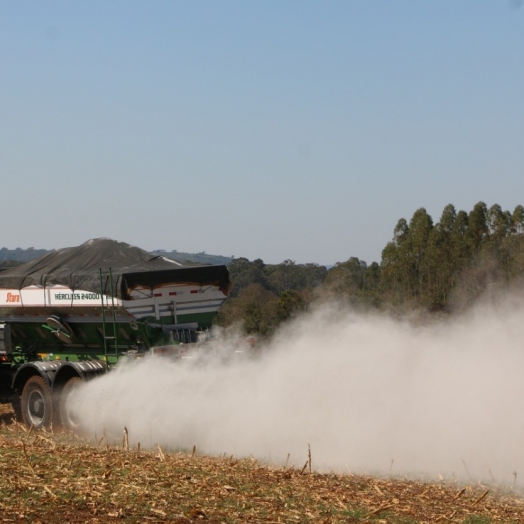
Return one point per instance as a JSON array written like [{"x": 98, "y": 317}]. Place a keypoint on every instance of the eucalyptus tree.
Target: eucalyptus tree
[
  {"x": 440, "y": 259},
  {"x": 499, "y": 223},
  {"x": 513, "y": 246},
  {"x": 517, "y": 219},
  {"x": 393, "y": 267},
  {"x": 416, "y": 255},
  {"x": 497, "y": 250},
  {"x": 372, "y": 290},
  {"x": 477, "y": 232},
  {"x": 461, "y": 251}
]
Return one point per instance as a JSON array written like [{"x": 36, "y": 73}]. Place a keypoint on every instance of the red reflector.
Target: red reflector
[
  {"x": 158, "y": 294},
  {"x": 194, "y": 291},
  {"x": 171, "y": 293}
]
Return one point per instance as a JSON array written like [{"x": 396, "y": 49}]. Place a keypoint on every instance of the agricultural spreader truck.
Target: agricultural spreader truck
[{"x": 74, "y": 313}]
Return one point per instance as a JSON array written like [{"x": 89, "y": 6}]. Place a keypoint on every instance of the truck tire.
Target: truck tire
[
  {"x": 36, "y": 403},
  {"x": 68, "y": 418}
]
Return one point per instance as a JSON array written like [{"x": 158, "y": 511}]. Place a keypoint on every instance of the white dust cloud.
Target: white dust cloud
[{"x": 367, "y": 393}]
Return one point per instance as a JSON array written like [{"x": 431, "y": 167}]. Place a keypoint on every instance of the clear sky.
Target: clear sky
[{"x": 297, "y": 130}]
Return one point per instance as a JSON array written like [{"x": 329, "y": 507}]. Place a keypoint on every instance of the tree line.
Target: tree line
[{"x": 438, "y": 268}]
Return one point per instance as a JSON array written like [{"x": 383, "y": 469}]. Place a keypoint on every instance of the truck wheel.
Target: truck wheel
[
  {"x": 36, "y": 403},
  {"x": 68, "y": 418}
]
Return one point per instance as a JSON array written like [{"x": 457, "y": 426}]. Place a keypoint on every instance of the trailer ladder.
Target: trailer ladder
[{"x": 106, "y": 336}]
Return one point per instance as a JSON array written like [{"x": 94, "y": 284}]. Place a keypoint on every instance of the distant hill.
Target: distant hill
[
  {"x": 7, "y": 264},
  {"x": 9, "y": 257},
  {"x": 22, "y": 255},
  {"x": 193, "y": 258}
]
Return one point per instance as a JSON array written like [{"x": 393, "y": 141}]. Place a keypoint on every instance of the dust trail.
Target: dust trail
[{"x": 368, "y": 393}]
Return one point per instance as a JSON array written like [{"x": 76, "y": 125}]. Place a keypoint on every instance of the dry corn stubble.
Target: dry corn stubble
[{"x": 60, "y": 478}]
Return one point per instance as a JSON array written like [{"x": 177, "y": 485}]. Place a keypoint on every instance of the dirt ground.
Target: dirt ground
[{"x": 51, "y": 477}]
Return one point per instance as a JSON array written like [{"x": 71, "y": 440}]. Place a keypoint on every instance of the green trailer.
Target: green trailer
[{"x": 73, "y": 314}]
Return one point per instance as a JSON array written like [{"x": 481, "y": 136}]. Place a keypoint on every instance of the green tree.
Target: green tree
[
  {"x": 393, "y": 266},
  {"x": 499, "y": 223},
  {"x": 461, "y": 252},
  {"x": 477, "y": 231},
  {"x": 440, "y": 259},
  {"x": 517, "y": 219},
  {"x": 405, "y": 268},
  {"x": 314, "y": 275},
  {"x": 244, "y": 273},
  {"x": 416, "y": 247},
  {"x": 514, "y": 244},
  {"x": 255, "y": 307},
  {"x": 356, "y": 281},
  {"x": 286, "y": 276},
  {"x": 347, "y": 278},
  {"x": 290, "y": 303},
  {"x": 372, "y": 290}
]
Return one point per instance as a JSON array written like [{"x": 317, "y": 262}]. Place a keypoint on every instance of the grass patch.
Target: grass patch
[{"x": 476, "y": 519}]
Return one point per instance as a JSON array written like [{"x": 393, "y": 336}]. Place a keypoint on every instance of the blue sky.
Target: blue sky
[{"x": 276, "y": 129}]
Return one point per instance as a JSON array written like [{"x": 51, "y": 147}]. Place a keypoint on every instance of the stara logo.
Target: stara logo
[{"x": 12, "y": 298}]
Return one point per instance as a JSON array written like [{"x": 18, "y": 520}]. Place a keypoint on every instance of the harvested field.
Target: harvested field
[{"x": 48, "y": 478}]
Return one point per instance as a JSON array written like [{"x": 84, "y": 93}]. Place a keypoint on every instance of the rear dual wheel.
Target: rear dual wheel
[
  {"x": 68, "y": 417},
  {"x": 36, "y": 404}
]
